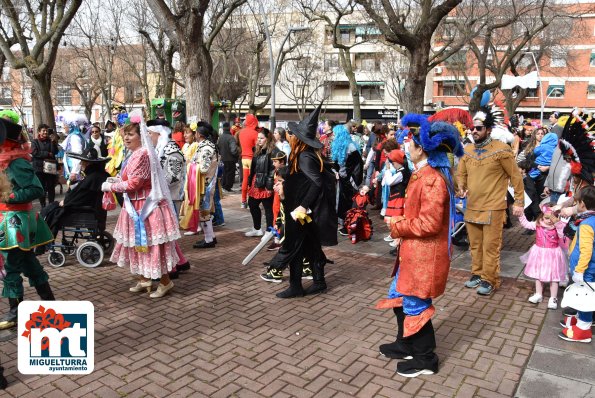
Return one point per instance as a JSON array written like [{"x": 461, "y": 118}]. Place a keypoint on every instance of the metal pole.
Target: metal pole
[
  {"x": 271, "y": 65},
  {"x": 542, "y": 100}
]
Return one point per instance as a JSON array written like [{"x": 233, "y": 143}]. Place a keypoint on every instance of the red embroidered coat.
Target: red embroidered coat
[{"x": 423, "y": 256}]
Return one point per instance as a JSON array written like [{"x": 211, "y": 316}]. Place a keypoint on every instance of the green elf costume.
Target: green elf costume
[{"x": 21, "y": 228}]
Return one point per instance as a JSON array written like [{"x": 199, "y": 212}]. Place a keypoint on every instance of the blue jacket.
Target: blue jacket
[
  {"x": 543, "y": 152},
  {"x": 582, "y": 255}
]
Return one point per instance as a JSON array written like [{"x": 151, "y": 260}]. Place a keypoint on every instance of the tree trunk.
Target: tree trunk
[
  {"x": 415, "y": 83},
  {"x": 41, "y": 90},
  {"x": 196, "y": 68},
  {"x": 353, "y": 88}
]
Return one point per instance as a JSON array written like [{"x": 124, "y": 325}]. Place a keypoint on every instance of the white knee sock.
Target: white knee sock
[
  {"x": 583, "y": 325},
  {"x": 207, "y": 227}
]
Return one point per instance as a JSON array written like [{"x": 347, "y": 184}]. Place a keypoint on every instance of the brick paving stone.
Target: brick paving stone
[{"x": 222, "y": 332}]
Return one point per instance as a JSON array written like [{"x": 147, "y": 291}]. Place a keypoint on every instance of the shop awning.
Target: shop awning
[
  {"x": 366, "y": 30},
  {"x": 370, "y": 83}
]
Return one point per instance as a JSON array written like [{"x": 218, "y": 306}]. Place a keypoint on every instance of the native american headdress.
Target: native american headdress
[
  {"x": 458, "y": 117},
  {"x": 578, "y": 146}
]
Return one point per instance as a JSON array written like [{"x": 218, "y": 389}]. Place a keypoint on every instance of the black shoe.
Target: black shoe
[
  {"x": 174, "y": 274},
  {"x": 204, "y": 245},
  {"x": 45, "y": 292},
  {"x": 316, "y": 288},
  {"x": 569, "y": 312},
  {"x": 186, "y": 265},
  {"x": 343, "y": 231},
  {"x": 290, "y": 293},
  {"x": 3, "y": 382},
  {"x": 414, "y": 368},
  {"x": 393, "y": 252},
  {"x": 396, "y": 350}
]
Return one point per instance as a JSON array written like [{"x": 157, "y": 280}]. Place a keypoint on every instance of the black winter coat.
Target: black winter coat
[
  {"x": 263, "y": 171},
  {"x": 228, "y": 147},
  {"x": 43, "y": 150}
]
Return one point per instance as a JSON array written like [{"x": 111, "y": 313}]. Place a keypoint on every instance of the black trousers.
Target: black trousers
[
  {"x": 534, "y": 188},
  {"x": 254, "y": 205},
  {"x": 48, "y": 182},
  {"x": 229, "y": 174}
]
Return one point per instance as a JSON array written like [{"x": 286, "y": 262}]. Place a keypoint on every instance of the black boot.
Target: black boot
[
  {"x": 295, "y": 282},
  {"x": 45, "y": 292},
  {"x": 10, "y": 319},
  {"x": 3, "y": 382},
  {"x": 424, "y": 361},
  {"x": 401, "y": 348},
  {"x": 319, "y": 285}
]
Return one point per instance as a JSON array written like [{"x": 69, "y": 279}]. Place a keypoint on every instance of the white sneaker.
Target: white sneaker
[
  {"x": 388, "y": 239},
  {"x": 536, "y": 298},
  {"x": 552, "y": 303},
  {"x": 393, "y": 244},
  {"x": 254, "y": 232}
]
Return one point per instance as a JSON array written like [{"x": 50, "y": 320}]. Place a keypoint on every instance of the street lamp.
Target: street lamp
[
  {"x": 542, "y": 100},
  {"x": 274, "y": 65}
]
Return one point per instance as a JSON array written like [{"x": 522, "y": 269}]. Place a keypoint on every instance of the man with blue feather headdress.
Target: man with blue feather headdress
[{"x": 423, "y": 261}]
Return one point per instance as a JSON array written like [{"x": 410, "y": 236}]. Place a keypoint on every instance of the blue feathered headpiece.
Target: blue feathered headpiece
[{"x": 437, "y": 139}]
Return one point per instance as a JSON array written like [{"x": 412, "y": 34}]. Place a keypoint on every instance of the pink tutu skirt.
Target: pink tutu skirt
[
  {"x": 546, "y": 264},
  {"x": 162, "y": 233}
]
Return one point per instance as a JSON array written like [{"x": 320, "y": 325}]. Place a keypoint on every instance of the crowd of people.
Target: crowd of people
[{"x": 314, "y": 181}]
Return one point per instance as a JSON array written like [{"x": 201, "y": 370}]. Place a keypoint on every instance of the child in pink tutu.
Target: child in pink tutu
[{"x": 546, "y": 261}]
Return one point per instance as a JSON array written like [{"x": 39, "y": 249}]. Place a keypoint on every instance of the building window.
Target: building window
[
  {"x": 372, "y": 92},
  {"x": 367, "y": 62},
  {"x": 451, "y": 88},
  {"x": 591, "y": 91},
  {"x": 366, "y": 32},
  {"x": 555, "y": 91},
  {"x": 64, "y": 95},
  {"x": 457, "y": 60},
  {"x": 532, "y": 92},
  {"x": 5, "y": 74},
  {"x": 592, "y": 60},
  {"x": 558, "y": 59},
  {"x": 328, "y": 35},
  {"x": 263, "y": 91},
  {"x": 331, "y": 62},
  {"x": 27, "y": 100},
  {"x": 133, "y": 93},
  {"x": 5, "y": 96},
  {"x": 345, "y": 35}
]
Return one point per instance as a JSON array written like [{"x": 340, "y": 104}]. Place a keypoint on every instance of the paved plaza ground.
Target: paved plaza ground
[{"x": 223, "y": 333}]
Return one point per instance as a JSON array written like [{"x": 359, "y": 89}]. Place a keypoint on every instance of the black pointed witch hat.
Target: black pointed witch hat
[{"x": 306, "y": 129}]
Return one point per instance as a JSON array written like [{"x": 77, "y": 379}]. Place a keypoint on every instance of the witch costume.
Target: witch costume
[
  {"x": 421, "y": 269},
  {"x": 311, "y": 185},
  {"x": 21, "y": 228}
]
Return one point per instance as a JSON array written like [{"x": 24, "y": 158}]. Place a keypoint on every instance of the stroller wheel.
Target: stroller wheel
[
  {"x": 56, "y": 259},
  {"x": 89, "y": 254}
]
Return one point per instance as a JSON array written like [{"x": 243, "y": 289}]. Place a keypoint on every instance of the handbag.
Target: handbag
[
  {"x": 50, "y": 167},
  {"x": 108, "y": 201}
]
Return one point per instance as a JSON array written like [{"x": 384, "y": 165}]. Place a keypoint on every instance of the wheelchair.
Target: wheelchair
[{"x": 81, "y": 226}]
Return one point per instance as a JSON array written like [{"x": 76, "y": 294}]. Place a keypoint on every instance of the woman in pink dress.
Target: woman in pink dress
[
  {"x": 546, "y": 261},
  {"x": 147, "y": 227}
]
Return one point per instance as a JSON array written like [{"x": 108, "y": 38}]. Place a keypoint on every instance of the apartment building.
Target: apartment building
[{"x": 566, "y": 76}]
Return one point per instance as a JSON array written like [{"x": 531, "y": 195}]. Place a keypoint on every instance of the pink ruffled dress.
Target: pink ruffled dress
[
  {"x": 161, "y": 225},
  {"x": 546, "y": 261}
]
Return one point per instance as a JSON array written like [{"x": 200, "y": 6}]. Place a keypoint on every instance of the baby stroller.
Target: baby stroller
[
  {"x": 82, "y": 225},
  {"x": 459, "y": 232}
]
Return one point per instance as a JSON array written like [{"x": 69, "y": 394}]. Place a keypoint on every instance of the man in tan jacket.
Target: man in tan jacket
[{"x": 484, "y": 173}]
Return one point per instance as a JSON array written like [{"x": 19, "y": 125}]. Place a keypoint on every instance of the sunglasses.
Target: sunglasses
[{"x": 478, "y": 128}]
